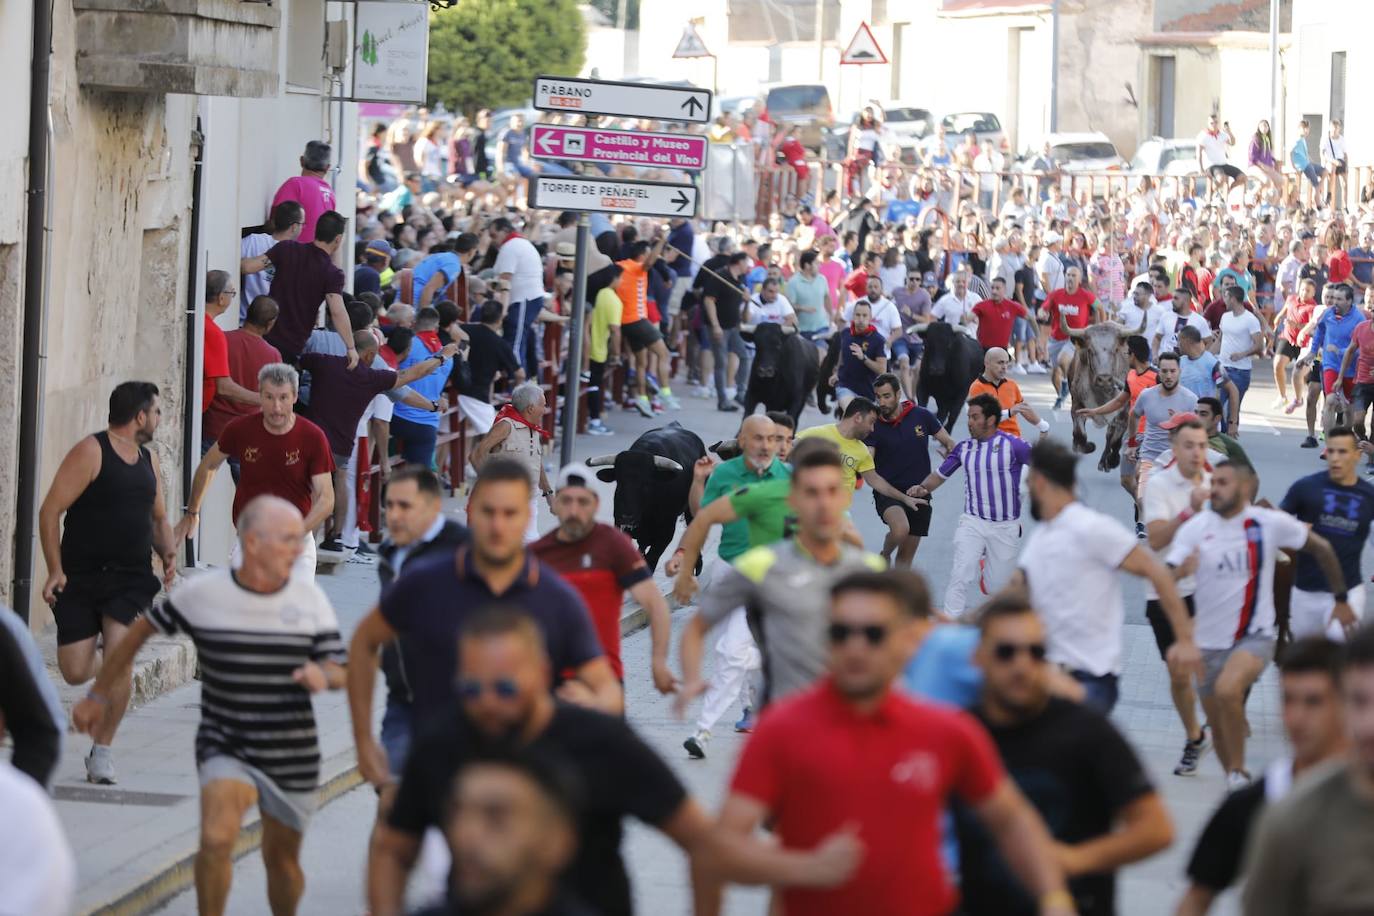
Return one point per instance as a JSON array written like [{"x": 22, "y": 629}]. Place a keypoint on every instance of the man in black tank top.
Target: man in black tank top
[{"x": 100, "y": 571}]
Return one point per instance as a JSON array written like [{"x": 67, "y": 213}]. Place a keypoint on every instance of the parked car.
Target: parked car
[
  {"x": 805, "y": 106},
  {"x": 984, "y": 125},
  {"x": 1163, "y": 156},
  {"x": 736, "y": 105},
  {"x": 1082, "y": 152}
]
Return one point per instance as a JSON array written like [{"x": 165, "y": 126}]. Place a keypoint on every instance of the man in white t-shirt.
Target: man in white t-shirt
[
  {"x": 1211, "y": 156},
  {"x": 885, "y": 318},
  {"x": 1069, "y": 565},
  {"x": 518, "y": 264},
  {"x": 37, "y": 868},
  {"x": 1049, "y": 268},
  {"x": 1170, "y": 497},
  {"x": 1140, "y": 304},
  {"x": 1164, "y": 333},
  {"x": 771, "y": 305},
  {"x": 1232, "y": 547},
  {"x": 1242, "y": 339},
  {"x": 956, "y": 306}
]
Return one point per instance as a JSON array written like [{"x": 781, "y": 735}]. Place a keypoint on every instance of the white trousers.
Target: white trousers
[
  {"x": 1309, "y": 613},
  {"x": 983, "y": 552},
  {"x": 349, "y": 535},
  {"x": 304, "y": 567},
  {"x": 735, "y": 659}
]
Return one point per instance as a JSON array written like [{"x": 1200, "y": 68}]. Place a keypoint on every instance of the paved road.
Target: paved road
[{"x": 335, "y": 846}]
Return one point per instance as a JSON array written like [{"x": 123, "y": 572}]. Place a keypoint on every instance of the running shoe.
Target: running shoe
[
  {"x": 727, "y": 406},
  {"x": 1036, "y": 369},
  {"x": 642, "y": 405},
  {"x": 1309, "y": 442},
  {"x": 1018, "y": 369},
  {"x": 669, "y": 400},
  {"x": 1058, "y": 403},
  {"x": 696, "y": 745},
  {"x": 746, "y": 721},
  {"x": 1293, "y": 405},
  {"x": 332, "y": 546},
  {"x": 1140, "y": 530},
  {"x": 598, "y": 428},
  {"x": 1278, "y": 402},
  {"x": 1192, "y": 753},
  {"x": 1237, "y": 779},
  {"x": 100, "y": 766}
]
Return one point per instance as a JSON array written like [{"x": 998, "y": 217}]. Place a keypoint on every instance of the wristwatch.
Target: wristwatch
[{"x": 434, "y": 406}]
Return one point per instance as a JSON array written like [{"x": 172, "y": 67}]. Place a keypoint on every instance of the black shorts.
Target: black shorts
[
  {"x": 1290, "y": 350},
  {"x": 1159, "y": 622},
  {"x": 640, "y": 334},
  {"x": 1364, "y": 397},
  {"x": 918, "y": 520},
  {"x": 119, "y": 595},
  {"x": 1314, "y": 373},
  {"x": 1227, "y": 169}
]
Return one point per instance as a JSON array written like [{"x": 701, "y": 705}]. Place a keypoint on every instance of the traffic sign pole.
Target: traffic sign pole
[{"x": 572, "y": 387}]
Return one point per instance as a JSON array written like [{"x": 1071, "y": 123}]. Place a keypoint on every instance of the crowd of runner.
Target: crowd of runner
[{"x": 907, "y": 752}]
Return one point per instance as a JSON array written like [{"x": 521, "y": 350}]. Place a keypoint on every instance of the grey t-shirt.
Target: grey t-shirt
[
  {"x": 786, "y": 595},
  {"x": 1155, "y": 407}
]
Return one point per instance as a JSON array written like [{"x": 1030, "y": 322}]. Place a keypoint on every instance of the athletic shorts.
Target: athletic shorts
[
  {"x": 1159, "y": 623},
  {"x": 1290, "y": 350},
  {"x": 1329, "y": 383},
  {"x": 1309, "y": 613},
  {"x": 120, "y": 595},
  {"x": 1227, "y": 169},
  {"x": 1143, "y": 469},
  {"x": 1214, "y": 660},
  {"x": 640, "y": 334},
  {"x": 290, "y": 808},
  {"x": 1314, "y": 373},
  {"x": 1125, "y": 466},
  {"x": 1057, "y": 347},
  {"x": 1364, "y": 396},
  {"x": 918, "y": 520},
  {"x": 680, "y": 287}
]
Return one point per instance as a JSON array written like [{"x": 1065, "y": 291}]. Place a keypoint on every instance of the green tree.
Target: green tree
[{"x": 486, "y": 53}]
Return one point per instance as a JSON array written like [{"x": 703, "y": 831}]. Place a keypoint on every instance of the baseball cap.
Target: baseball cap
[
  {"x": 574, "y": 474},
  {"x": 929, "y": 279},
  {"x": 1053, "y": 238},
  {"x": 381, "y": 247},
  {"x": 1179, "y": 419},
  {"x": 566, "y": 250}
]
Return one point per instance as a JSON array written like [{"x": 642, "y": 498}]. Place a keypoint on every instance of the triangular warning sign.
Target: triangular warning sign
[
  {"x": 691, "y": 44},
  {"x": 863, "y": 48}
]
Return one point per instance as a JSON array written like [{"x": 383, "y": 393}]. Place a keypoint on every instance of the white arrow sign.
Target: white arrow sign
[
  {"x": 629, "y": 100},
  {"x": 605, "y": 195}
]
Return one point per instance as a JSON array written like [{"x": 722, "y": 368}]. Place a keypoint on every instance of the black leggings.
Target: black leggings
[{"x": 597, "y": 373}]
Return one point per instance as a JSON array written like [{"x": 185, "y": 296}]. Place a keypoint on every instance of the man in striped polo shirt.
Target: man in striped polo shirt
[
  {"x": 989, "y": 532},
  {"x": 266, "y": 641}
]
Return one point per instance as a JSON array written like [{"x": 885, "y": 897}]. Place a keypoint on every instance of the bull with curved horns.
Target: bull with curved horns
[{"x": 1096, "y": 376}]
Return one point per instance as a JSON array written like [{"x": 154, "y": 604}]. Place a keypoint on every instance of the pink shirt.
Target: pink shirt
[
  {"x": 314, "y": 194},
  {"x": 1363, "y": 337},
  {"x": 833, "y": 271}
]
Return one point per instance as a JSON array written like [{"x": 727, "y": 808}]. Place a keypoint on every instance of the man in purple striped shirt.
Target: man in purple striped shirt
[{"x": 989, "y": 533}]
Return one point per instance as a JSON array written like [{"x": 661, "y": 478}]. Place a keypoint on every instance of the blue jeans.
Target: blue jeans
[
  {"x": 1241, "y": 378},
  {"x": 1099, "y": 691},
  {"x": 518, "y": 329},
  {"x": 730, "y": 342},
  {"x": 417, "y": 441},
  {"x": 1314, "y": 173}
]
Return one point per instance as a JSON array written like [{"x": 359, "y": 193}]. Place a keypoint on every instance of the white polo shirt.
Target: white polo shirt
[
  {"x": 1072, "y": 565},
  {"x": 776, "y": 311},
  {"x": 886, "y": 318},
  {"x": 519, "y": 258},
  {"x": 1167, "y": 493}
]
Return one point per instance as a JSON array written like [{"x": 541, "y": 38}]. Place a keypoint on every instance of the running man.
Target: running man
[
  {"x": 1330, "y": 341},
  {"x": 849, "y": 435},
  {"x": 994, "y": 381},
  {"x": 1139, "y": 377},
  {"x": 268, "y": 639},
  {"x": 900, "y": 441},
  {"x": 1232, "y": 547},
  {"x": 99, "y": 579},
  {"x": 989, "y": 534},
  {"x": 1153, "y": 407}
]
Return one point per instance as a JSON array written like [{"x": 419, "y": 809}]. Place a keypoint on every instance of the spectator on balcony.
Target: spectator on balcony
[
  {"x": 285, "y": 224},
  {"x": 1302, "y": 159},
  {"x": 1334, "y": 158},
  {"x": 309, "y": 188},
  {"x": 1262, "y": 155}
]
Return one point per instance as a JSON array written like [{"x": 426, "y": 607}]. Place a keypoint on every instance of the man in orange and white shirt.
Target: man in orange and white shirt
[
  {"x": 641, "y": 335},
  {"x": 994, "y": 381}
]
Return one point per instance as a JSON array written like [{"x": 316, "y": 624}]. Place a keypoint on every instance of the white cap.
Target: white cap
[
  {"x": 1053, "y": 238},
  {"x": 574, "y": 474}
]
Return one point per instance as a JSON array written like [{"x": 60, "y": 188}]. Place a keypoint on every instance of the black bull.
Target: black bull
[
  {"x": 952, "y": 360},
  {"x": 1097, "y": 375},
  {"x": 784, "y": 370},
  {"x": 652, "y": 479}
]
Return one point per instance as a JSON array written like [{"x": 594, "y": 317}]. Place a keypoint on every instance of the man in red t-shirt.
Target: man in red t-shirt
[
  {"x": 1361, "y": 352},
  {"x": 216, "y": 379},
  {"x": 853, "y": 756},
  {"x": 997, "y": 315},
  {"x": 601, "y": 563},
  {"x": 857, "y": 282},
  {"x": 1080, "y": 308},
  {"x": 279, "y": 454},
  {"x": 248, "y": 353}
]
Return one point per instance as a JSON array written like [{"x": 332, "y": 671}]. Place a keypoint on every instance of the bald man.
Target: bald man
[
  {"x": 268, "y": 755},
  {"x": 994, "y": 381}
]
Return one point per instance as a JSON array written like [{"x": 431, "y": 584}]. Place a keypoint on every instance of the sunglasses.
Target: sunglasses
[
  {"x": 841, "y": 633},
  {"x": 503, "y": 687},
  {"x": 1007, "y": 651}
]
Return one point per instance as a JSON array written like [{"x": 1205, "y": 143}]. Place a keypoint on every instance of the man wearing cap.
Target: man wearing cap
[
  {"x": 601, "y": 563},
  {"x": 367, "y": 276},
  {"x": 309, "y": 188}
]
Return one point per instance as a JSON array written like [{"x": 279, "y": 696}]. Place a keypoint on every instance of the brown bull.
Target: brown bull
[{"x": 1096, "y": 376}]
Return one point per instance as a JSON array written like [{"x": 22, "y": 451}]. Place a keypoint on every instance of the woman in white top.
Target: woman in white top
[
  {"x": 863, "y": 148},
  {"x": 429, "y": 156}
]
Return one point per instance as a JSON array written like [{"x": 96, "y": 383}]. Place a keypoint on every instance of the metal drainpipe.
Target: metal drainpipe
[
  {"x": 35, "y": 314},
  {"x": 190, "y": 448}
]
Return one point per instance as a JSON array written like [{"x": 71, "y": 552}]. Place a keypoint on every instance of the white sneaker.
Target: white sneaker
[
  {"x": 696, "y": 745},
  {"x": 100, "y": 766},
  {"x": 642, "y": 404},
  {"x": 1018, "y": 369},
  {"x": 1237, "y": 779},
  {"x": 1037, "y": 369}
]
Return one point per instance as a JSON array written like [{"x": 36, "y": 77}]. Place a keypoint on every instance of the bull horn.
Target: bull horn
[
  {"x": 747, "y": 328},
  {"x": 1074, "y": 333},
  {"x": 918, "y": 328},
  {"x": 1126, "y": 332},
  {"x": 600, "y": 461},
  {"x": 788, "y": 329},
  {"x": 667, "y": 464}
]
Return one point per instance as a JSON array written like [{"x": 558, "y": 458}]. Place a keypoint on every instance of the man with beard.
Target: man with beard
[
  {"x": 602, "y": 564},
  {"x": 504, "y": 699},
  {"x": 99, "y": 579},
  {"x": 1154, "y": 406},
  {"x": 901, "y": 455},
  {"x": 1069, "y": 567},
  {"x": 1073, "y": 765},
  {"x": 1330, "y": 340}
]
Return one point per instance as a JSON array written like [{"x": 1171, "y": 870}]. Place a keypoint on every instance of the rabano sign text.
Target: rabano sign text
[{"x": 390, "y": 52}]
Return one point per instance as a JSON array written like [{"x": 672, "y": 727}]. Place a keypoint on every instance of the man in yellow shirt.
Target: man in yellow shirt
[
  {"x": 848, "y": 434},
  {"x": 994, "y": 381}
]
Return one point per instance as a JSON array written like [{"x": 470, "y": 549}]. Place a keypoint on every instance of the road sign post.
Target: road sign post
[
  {"x": 572, "y": 387},
  {"x": 569, "y": 95},
  {"x": 633, "y": 197}
]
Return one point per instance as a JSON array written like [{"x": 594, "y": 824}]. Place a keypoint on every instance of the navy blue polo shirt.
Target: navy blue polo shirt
[
  {"x": 437, "y": 594},
  {"x": 901, "y": 447},
  {"x": 853, "y": 374},
  {"x": 1338, "y": 513}
]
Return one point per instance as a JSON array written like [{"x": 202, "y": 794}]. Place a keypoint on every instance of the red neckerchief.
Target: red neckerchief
[
  {"x": 905, "y": 408},
  {"x": 510, "y": 413},
  {"x": 390, "y": 355},
  {"x": 855, "y": 332},
  {"x": 1214, "y": 133},
  {"x": 430, "y": 339},
  {"x": 514, "y": 235}
]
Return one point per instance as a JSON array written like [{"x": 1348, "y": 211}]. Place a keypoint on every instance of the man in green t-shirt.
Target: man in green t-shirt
[{"x": 1209, "y": 412}]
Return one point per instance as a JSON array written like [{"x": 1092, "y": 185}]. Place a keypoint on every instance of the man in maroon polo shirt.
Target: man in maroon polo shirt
[{"x": 852, "y": 750}]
